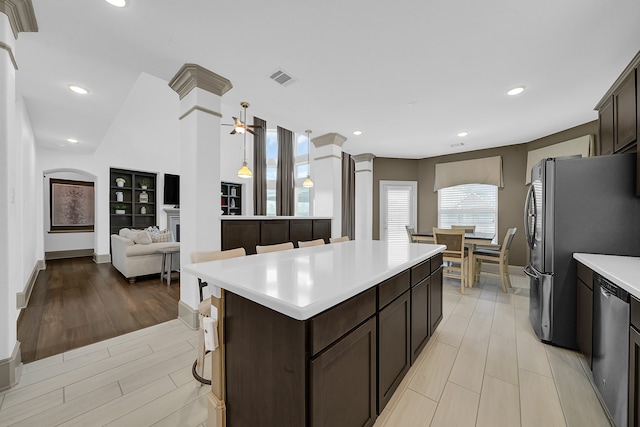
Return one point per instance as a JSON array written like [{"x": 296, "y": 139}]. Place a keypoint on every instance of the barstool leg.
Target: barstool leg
[{"x": 201, "y": 352}]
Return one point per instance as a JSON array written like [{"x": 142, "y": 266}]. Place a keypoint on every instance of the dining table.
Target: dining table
[{"x": 470, "y": 240}]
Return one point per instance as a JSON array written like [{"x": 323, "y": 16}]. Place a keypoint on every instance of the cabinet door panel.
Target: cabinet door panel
[
  {"x": 241, "y": 234},
  {"x": 393, "y": 347},
  {"x": 300, "y": 230},
  {"x": 435, "y": 300},
  {"x": 606, "y": 124},
  {"x": 420, "y": 328},
  {"x": 322, "y": 229},
  {"x": 625, "y": 113},
  {"x": 584, "y": 326},
  {"x": 273, "y": 232},
  {"x": 343, "y": 386},
  {"x": 634, "y": 377}
]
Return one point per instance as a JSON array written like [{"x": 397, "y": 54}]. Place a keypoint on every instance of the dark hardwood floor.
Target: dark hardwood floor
[{"x": 76, "y": 302}]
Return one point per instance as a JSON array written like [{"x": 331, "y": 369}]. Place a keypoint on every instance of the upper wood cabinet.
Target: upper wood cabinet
[{"x": 618, "y": 113}]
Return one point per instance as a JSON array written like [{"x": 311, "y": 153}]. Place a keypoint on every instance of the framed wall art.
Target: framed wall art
[{"x": 72, "y": 205}]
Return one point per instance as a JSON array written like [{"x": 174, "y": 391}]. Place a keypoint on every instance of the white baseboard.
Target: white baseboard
[
  {"x": 22, "y": 298},
  {"x": 11, "y": 368},
  {"x": 188, "y": 315},
  {"x": 101, "y": 258}
]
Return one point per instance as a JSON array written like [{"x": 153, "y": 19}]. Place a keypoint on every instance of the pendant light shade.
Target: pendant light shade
[
  {"x": 244, "y": 171},
  {"x": 307, "y": 182}
]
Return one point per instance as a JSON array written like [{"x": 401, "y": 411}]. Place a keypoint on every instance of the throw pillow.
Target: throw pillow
[
  {"x": 142, "y": 238},
  {"x": 123, "y": 232},
  {"x": 130, "y": 234},
  {"x": 162, "y": 236}
]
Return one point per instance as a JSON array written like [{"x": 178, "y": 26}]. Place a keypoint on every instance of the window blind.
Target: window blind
[
  {"x": 469, "y": 204},
  {"x": 399, "y": 202}
]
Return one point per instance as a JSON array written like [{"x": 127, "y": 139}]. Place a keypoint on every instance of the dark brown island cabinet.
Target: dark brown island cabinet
[
  {"x": 584, "y": 310},
  {"x": 338, "y": 368},
  {"x": 247, "y": 233},
  {"x": 619, "y": 115}
]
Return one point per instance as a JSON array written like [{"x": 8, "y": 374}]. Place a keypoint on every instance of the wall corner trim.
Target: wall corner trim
[
  {"x": 101, "y": 258},
  {"x": 188, "y": 315},
  {"x": 192, "y": 76},
  {"x": 22, "y": 16}
]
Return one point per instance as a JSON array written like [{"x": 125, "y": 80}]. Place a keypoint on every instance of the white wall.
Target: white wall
[{"x": 144, "y": 136}]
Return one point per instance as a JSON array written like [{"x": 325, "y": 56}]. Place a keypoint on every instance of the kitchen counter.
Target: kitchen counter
[
  {"x": 301, "y": 283},
  {"x": 624, "y": 271}
]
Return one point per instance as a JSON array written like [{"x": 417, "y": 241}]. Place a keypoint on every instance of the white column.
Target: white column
[
  {"x": 327, "y": 178},
  {"x": 15, "y": 16},
  {"x": 200, "y": 93},
  {"x": 364, "y": 196}
]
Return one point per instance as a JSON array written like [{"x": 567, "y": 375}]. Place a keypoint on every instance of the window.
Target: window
[
  {"x": 272, "y": 169},
  {"x": 303, "y": 196},
  {"x": 469, "y": 204}
]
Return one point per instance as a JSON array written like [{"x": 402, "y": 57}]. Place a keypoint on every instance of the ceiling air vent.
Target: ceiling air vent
[{"x": 282, "y": 77}]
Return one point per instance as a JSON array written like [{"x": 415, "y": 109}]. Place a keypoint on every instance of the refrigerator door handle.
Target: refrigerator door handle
[
  {"x": 531, "y": 196},
  {"x": 528, "y": 272}
]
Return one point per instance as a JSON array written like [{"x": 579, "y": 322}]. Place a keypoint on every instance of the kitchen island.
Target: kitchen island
[{"x": 320, "y": 336}]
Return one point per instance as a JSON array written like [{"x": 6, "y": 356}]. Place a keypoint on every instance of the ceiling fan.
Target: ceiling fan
[{"x": 239, "y": 126}]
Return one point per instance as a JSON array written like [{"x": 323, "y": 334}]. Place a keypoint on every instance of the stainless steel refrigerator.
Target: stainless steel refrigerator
[{"x": 575, "y": 205}]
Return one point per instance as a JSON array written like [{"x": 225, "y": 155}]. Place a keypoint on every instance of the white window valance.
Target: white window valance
[
  {"x": 477, "y": 171},
  {"x": 578, "y": 146}
]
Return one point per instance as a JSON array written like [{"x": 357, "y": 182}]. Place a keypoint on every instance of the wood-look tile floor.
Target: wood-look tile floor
[{"x": 483, "y": 367}]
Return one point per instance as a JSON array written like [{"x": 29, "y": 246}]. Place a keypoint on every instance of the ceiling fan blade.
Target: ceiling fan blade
[
  {"x": 250, "y": 131},
  {"x": 233, "y": 131}
]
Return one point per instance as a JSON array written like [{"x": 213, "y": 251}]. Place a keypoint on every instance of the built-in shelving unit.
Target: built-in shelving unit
[
  {"x": 139, "y": 203},
  {"x": 231, "y": 198}
]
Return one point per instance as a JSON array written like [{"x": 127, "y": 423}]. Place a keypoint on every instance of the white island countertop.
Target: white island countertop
[
  {"x": 623, "y": 271},
  {"x": 301, "y": 283}
]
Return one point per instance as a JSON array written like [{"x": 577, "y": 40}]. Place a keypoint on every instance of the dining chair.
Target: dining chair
[
  {"x": 316, "y": 242},
  {"x": 274, "y": 248},
  {"x": 466, "y": 228},
  {"x": 499, "y": 256},
  {"x": 410, "y": 232},
  {"x": 456, "y": 253},
  {"x": 338, "y": 239},
  {"x": 208, "y": 308}
]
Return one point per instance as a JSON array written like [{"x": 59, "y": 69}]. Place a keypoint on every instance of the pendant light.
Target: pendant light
[
  {"x": 244, "y": 171},
  {"x": 307, "y": 182}
]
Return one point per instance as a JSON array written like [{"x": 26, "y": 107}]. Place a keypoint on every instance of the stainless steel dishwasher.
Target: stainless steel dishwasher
[{"x": 611, "y": 346}]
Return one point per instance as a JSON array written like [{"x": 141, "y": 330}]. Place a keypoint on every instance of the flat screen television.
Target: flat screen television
[{"x": 171, "y": 189}]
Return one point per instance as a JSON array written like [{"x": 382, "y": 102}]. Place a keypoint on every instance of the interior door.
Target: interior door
[{"x": 398, "y": 209}]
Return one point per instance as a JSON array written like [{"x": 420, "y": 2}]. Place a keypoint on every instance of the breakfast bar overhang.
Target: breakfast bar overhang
[{"x": 319, "y": 336}]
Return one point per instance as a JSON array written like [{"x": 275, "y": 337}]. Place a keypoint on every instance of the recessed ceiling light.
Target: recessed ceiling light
[
  {"x": 516, "y": 91},
  {"x": 463, "y": 133},
  {"x": 72, "y": 140},
  {"x": 117, "y": 3},
  {"x": 357, "y": 132},
  {"x": 78, "y": 89}
]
